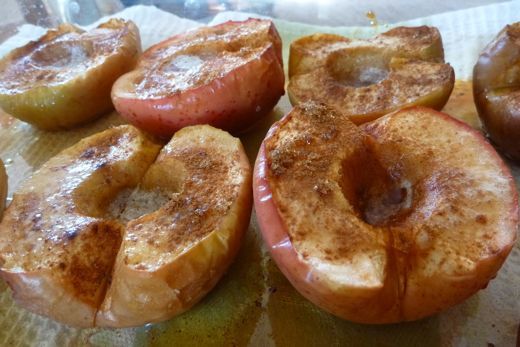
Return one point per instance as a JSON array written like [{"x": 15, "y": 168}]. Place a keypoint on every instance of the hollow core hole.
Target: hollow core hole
[
  {"x": 377, "y": 197},
  {"x": 358, "y": 67}
]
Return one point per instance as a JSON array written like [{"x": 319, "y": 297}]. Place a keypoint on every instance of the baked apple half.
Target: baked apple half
[
  {"x": 392, "y": 221},
  {"x": 496, "y": 90},
  {"x": 116, "y": 232},
  {"x": 64, "y": 78},
  {"x": 366, "y": 79},
  {"x": 171, "y": 257},
  {"x": 228, "y": 75}
]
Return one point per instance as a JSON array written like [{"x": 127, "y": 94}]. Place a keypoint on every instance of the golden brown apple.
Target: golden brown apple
[
  {"x": 172, "y": 257},
  {"x": 228, "y": 76},
  {"x": 64, "y": 78},
  {"x": 496, "y": 90},
  {"x": 56, "y": 248},
  {"x": 366, "y": 79},
  {"x": 392, "y": 221},
  {"x": 116, "y": 232}
]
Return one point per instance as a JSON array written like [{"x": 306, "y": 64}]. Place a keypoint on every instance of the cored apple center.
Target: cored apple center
[
  {"x": 358, "y": 67},
  {"x": 378, "y": 198}
]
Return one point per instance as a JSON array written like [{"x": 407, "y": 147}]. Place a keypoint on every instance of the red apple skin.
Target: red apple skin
[
  {"x": 424, "y": 297},
  {"x": 232, "y": 102}
]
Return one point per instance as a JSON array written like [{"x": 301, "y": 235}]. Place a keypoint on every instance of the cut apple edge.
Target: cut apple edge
[
  {"x": 436, "y": 100},
  {"x": 74, "y": 311},
  {"x": 184, "y": 280},
  {"x": 281, "y": 246}
]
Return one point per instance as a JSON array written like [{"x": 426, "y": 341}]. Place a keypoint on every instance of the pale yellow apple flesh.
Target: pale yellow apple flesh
[{"x": 366, "y": 79}]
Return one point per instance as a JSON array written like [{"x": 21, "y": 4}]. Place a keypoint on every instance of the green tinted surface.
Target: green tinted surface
[{"x": 228, "y": 315}]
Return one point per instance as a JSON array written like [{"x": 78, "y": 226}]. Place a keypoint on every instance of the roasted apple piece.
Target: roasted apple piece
[
  {"x": 115, "y": 232},
  {"x": 64, "y": 78},
  {"x": 496, "y": 90},
  {"x": 392, "y": 221},
  {"x": 366, "y": 79},
  {"x": 228, "y": 76},
  {"x": 172, "y": 257},
  {"x": 56, "y": 247}
]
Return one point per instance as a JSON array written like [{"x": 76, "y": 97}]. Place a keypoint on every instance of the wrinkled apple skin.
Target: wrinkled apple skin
[
  {"x": 496, "y": 90},
  {"x": 233, "y": 101},
  {"x": 83, "y": 96}
]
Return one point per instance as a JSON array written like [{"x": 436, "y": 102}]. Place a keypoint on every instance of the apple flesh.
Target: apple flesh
[
  {"x": 228, "y": 76},
  {"x": 64, "y": 79},
  {"x": 51, "y": 233},
  {"x": 392, "y": 221},
  {"x": 116, "y": 232},
  {"x": 496, "y": 90},
  {"x": 366, "y": 79},
  {"x": 172, "y": 257}
]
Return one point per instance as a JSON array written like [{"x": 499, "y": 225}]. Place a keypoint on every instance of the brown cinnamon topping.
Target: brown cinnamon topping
[
  {"x": 60, "y": 55},
  {"x": 366, "y": 79},
  {"x": 201, "y": 56},
  {"x": 385, "y": 196}
]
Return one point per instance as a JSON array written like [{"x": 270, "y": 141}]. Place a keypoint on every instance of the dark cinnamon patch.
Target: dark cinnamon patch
[
  {"x": 198, "y": 207},
  {"x": 90, "y": 261},
  {"x": 481, "y": 219}
]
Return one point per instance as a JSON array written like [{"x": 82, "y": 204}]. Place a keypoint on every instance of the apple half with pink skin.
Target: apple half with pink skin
[
  {"x": 392, "y": 221},
  {"x": 228, "y": 76}
]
